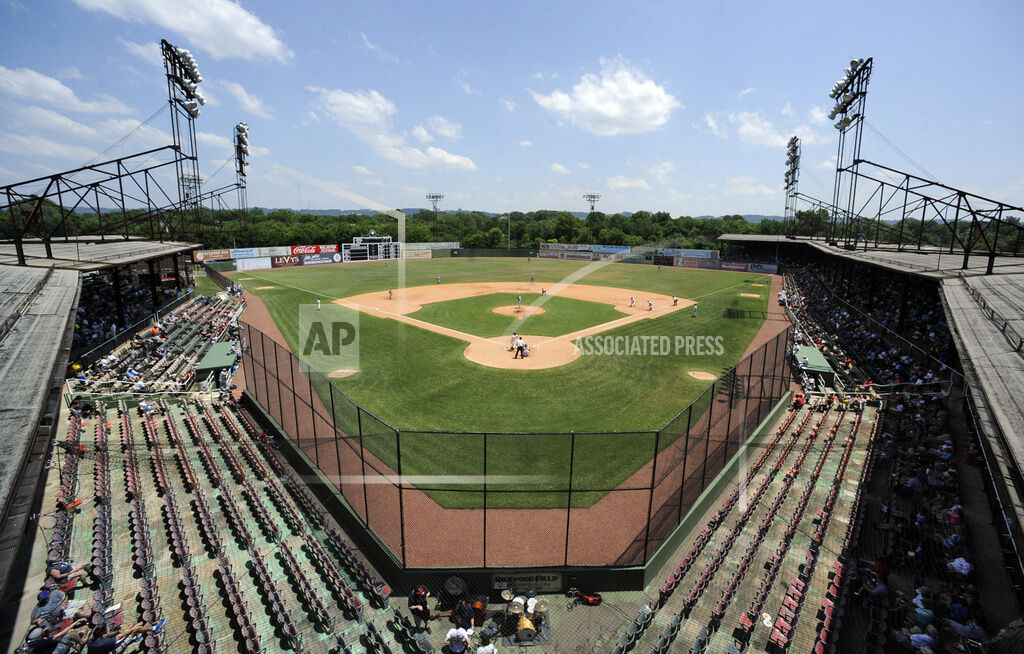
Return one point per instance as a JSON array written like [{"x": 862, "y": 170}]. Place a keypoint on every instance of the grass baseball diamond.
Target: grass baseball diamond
[{"x": 417, "y": 372}]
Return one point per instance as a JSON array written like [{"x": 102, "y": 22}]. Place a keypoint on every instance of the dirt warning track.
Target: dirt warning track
[{"x": 545, "y": 351}]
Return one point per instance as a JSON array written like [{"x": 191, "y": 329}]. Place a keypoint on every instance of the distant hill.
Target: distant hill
[{"x": 750, "y": 218}]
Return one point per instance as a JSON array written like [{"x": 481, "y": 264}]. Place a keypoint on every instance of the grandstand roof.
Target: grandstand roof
[
  {"x": 29, "y": 355},
  {"x": 986, "y": 316},
  {"x": 88, "y": 253},
  {"x": 928, "y": 262}
]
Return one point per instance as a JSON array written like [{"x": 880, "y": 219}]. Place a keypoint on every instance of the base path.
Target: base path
[{"x": 545, "y": 351}]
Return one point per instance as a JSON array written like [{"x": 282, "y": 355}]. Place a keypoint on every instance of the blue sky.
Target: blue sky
[{"x": 674, "y": 106}]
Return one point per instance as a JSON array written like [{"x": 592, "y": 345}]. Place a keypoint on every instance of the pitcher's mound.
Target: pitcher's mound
[
  {"x": 755, "y": 284},
  {"x": 342, "y": 373},
  {"x": 699, "y": 374},
  {"x": 512, "y": 310},
  {"x": 749, "y": 295},
  {"x": 264, "y": 288}
]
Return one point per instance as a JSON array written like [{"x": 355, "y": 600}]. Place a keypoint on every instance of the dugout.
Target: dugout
[
  {"x": 217, "y": 358},
  {"x": 817, "y": 365}
]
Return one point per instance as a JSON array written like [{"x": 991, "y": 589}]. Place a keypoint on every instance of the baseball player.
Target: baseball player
[
  {"x": 531, "y": 279},
  {"x": 694, "y": 310},
  {"x": 389, "y": 293},
  {"x": 318, "y": 304},
  {"x": 632, "y": 302},
  {"x": 650, "y": 305},
  {"x": 437, "y": 278},
  {"x": 512, "y": 344},
  {"x": 519, "y": 302},
  {"x": 543, "y": 291},
  {"x": 675, "y": 301}
]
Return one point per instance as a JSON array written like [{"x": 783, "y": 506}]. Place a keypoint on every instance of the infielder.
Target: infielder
[
  {"x": 437, "y": 278},
  {"x": 694, "y": 310},
  {"x": 650, "y": 305},
  {"x": 389, "y": 293},
  {"x": 632, "y": 302},
  {"x": 675, "y": 301}
]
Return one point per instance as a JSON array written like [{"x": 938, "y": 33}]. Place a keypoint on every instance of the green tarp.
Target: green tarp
[
  {"x": 217, "y": 358},
  {"x": 816, "y": 363}
]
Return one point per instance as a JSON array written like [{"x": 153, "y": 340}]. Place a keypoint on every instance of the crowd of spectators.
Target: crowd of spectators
[
  {"x": 97, "y": 320},
  {"x": 918, "y": 585},
  {"x": 870, "y": 343}
]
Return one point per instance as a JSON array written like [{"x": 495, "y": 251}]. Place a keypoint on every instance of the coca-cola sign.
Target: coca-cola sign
[{"x": 314, "y": 249}]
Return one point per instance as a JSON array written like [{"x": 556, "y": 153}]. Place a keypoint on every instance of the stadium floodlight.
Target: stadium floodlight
[{"x": 592, "y": 198}]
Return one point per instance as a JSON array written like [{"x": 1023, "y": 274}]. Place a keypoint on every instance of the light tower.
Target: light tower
[
  {"x": 241, "y": 162},
  {"x": 434, "y": 199},
  {"x": 592, "y": 198},
  {"x": 850, "y": 94},
  {"x": 792, "y": 178},
  {"x": 183, "y": 94}
]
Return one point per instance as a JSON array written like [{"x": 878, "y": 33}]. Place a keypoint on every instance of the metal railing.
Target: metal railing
[{"x": 440, "y": 499}]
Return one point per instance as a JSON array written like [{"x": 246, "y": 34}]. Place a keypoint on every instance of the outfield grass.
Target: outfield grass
[
  {"x": 419, "y": 380},
  {"x": 206, "y": 286},
  {"x": 474, "y": 315}
]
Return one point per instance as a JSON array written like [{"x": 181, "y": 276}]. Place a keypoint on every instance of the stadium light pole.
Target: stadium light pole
[
  {"x": 592, "y": 198},
  {"x": 184, "y": 97},
  {"x": 434, "y": 199},
  {"x": 850, "y": 94},
  {"x": 791, "y": 178}
]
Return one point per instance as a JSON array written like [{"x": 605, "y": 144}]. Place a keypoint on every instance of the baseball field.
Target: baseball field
[{"x": 434, "y": 357}]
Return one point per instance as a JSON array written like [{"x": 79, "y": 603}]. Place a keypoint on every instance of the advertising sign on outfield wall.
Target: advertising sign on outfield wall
[
  {"x": 245, "y": 253},
  {"x": 548, "y": 254},
  {"x": 278, "y": 251},
  {"x": 284, "y": 262},
  {"x": 314, "y": 249},
  {"x": 711, "y": 264},
  {"x": 317, "y": 259},
  {"x": 580, "y": 247},
  {"x": 764, "y": 268},
  {"x": 436, "y": 245},
  {"x": 578, "y": 255},
  {"x": 552, "y": 246},
  {"x": 611, "y": 249},
  {"x": 734, "y": 265},
  {"x": 418, "y": 254},
  {"x": 689, "y": 254},
  {"x": 687, "y": 262},
  {"x": 253, "y": 263},
  {"x": 210, "y": 255}
]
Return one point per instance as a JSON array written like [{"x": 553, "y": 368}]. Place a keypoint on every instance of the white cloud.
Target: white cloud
[
  {"x": 444, "y": 127},
  {"x": 754, "y": 129},
  {"x": 621, "y": 181},
  {"x": 376, "y": 49},
  {"x": 223, "y": 28},
  {"x": 787, "y": 110},
  {"x": 148, "y": 52},
  {"x": 247, "y": 101},
  {"x": 48, "y": 121},
  {"x": 526, "y": 144},
  {"x": 828, "y": 164},
  {"x": 582, "y": 165},
  {"x": 27, "y": 84},
  {"x": 70, "y": 72},
  {"x": 510, "y": 105},
  {"x": 215, "y": 141},
  {"x": 817, "y": 116},
  {"x": 462, "y": 79},
  {"x": 363, "y": 170},
  {"x": 748, "y": 186},
  {"x": 367, "y": 115},
  {"x": 662, "y": 172},
  {"x": 559, "y": 168},
  {"x": 714, "y": 127},
  {"x": 37, "y": 146},
  {"x": 746, "y": 92},
  {"x": 621, "y": 100},
  {"x": 421, "y": 134}
]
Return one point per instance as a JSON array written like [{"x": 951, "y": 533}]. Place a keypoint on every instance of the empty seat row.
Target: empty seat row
[
  {"x": 308, "y": 595},
  {"x": 341, "y": 589},
  {"x": 270, "y": 591},
  {"x": 256, "y": 504},
  {"x": 234, "y": 517},
  {"x": 248, "y": 630}
]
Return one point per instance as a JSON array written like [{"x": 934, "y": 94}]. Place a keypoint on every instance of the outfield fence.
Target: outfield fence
[{"x": 497, "y": 499}]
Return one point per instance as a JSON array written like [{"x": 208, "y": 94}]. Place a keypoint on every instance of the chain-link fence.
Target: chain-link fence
[{"x": 498, "y": 499}]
